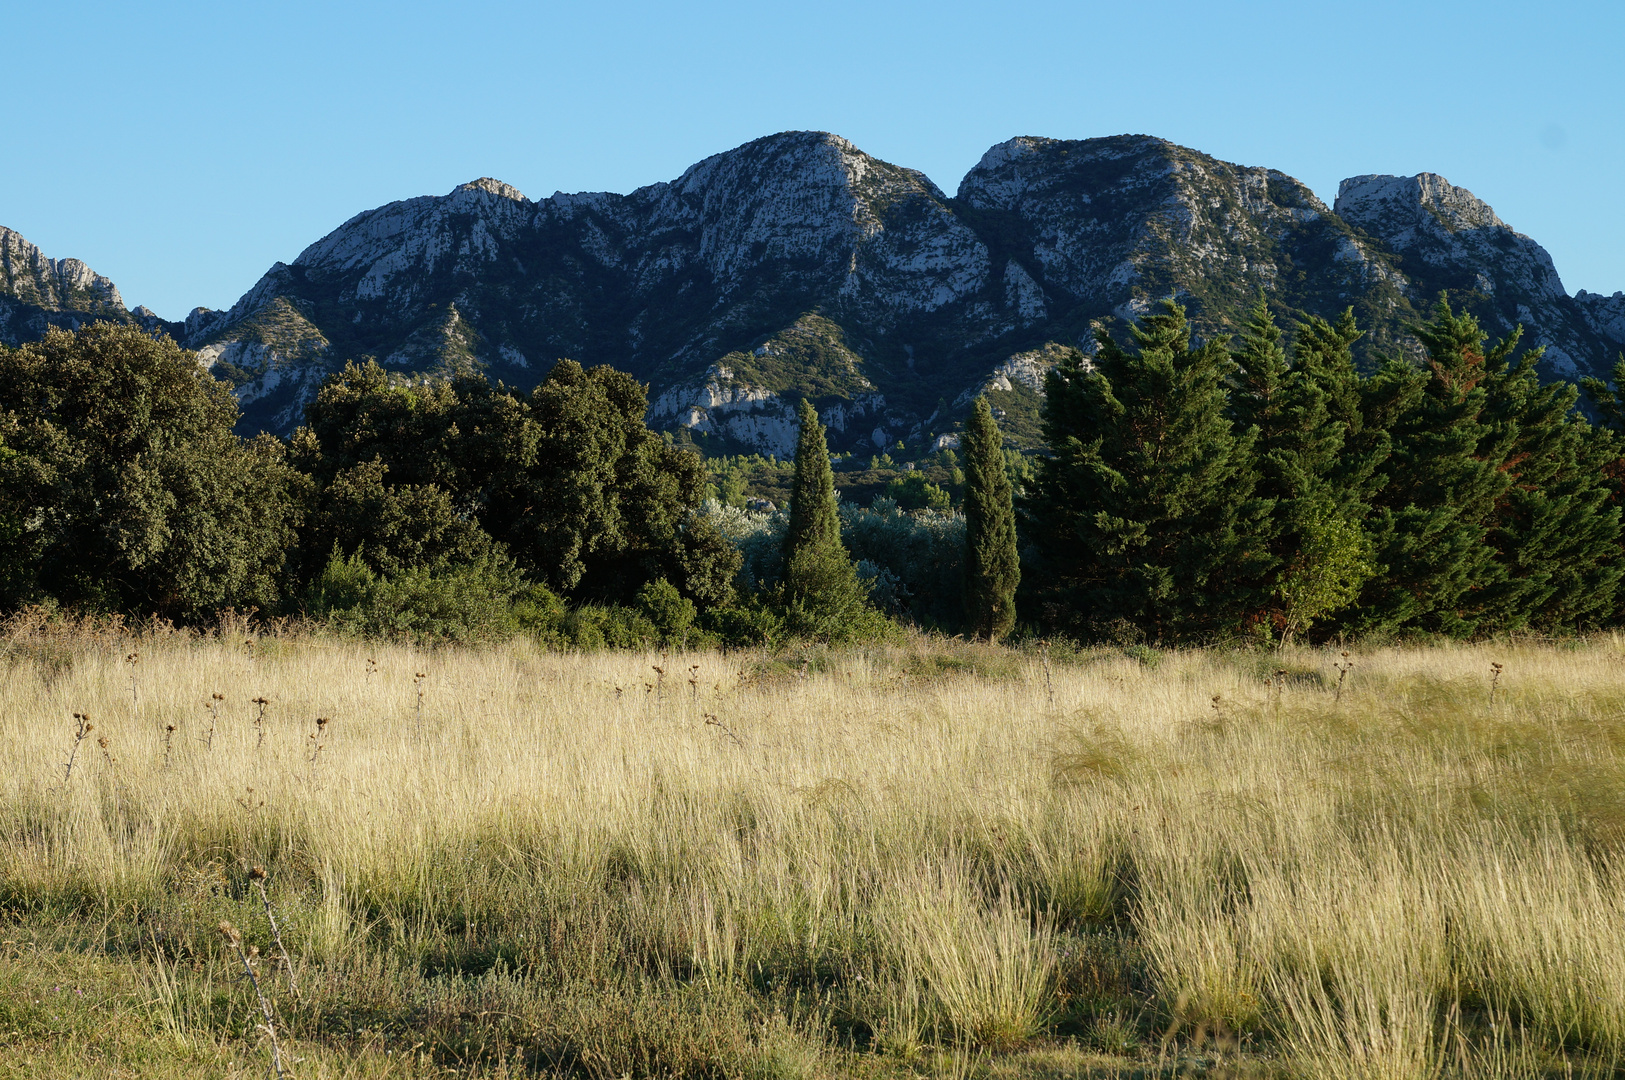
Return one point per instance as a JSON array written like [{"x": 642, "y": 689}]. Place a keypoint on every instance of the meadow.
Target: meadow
[{"x": 922, "y": 859}]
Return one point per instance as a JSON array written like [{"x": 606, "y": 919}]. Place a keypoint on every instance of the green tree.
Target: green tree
[
  {"x": 1607, "y": 446},
  {"x": 819, "y": 591},
  {"x": 139, "y": 497},
  {"x": 391, "y": 528},
  {"x": 1313, "y": 554},
  {"x": 1143, "y": 513},
  {"x": 1432, "y": 516},
  {"x": 992, "y": 563},
  {"x": 1555, "y": 530},
  {"x": 568, "y": 478}
]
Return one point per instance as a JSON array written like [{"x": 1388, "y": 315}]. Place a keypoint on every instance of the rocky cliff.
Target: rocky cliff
[{"x": 799, "y": 265}]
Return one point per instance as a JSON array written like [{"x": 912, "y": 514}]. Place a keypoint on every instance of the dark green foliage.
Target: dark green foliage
[
  {"x": 992, "y": 563},
  {"x": 1555, "y": 531},
  {"x": 569, "y": 478},
  {"x": 132, "y": 492},
  {"x": 1143, "y": 513},
  {"x": 819, "y": 591},
  {"x": 392, "y": 527},
  {"x": 1432, "y": 517},
  {"x": 16, "y": 558},
  {"x": 671, "y": 613},
  {"x": 466, "y": 602},
  {"x": 1313, "y": 555},
  {"x": 1608, "y": 398},
  {"x": 914, "y": 492}
]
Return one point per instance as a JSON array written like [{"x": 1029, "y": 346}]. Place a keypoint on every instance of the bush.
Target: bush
[
  {"x": 595, "y": 626},
  {"x": 915, "y": 561},
  {"x": 668, "y": 610},
  {"x": 468, "y": 603},
  {"x": 915, "y": 492}
]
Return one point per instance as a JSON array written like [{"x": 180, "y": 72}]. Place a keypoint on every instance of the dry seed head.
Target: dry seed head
[
  {"x": 218, "y": 697},
  {"x": 256, "y": 873},
  {"x": 230, "y": 933},
  {"x": 102, "y": 742},
  {"x": 261, "y": 701},
  {"x": 169, "y": 727}
]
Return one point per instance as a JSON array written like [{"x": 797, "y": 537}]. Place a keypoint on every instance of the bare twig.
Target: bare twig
[
  {"x": 80, "y": 734},
  {"x": 257, "y": 876},
  {"x": 1049, "y": 684},
  {"x": 1344, "y": 666},
  {"x": 712, "y": 721},
  {"x": 133, "y": 659},
  {"x": 214, "y": 715},
  {"x": 316, "y": 744},
  {"x": 417, "y": 681},
  {"x": 234, "y": 938}
]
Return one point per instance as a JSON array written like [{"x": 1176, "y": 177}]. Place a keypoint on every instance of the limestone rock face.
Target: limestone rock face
[
  {"x": 797, "y": 266},
  {"x": 1604, "y": 314},
  {"x": 37, "y": 292},
  {"x": 1450, "y": 240}
]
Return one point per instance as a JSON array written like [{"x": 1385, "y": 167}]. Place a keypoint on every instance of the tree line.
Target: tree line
[{"x": 1252, "y": 489}]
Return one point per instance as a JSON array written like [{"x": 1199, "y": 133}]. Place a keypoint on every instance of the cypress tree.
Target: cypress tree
[
  {"x": 1143, "y": 513},
  {"x": 820, "y": 593},
  {"x": 992, "y": 565}
]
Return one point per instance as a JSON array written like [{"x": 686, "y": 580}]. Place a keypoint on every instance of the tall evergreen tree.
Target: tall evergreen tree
[
  {"x": 992, "y": 564},
  {"x": 1555, "y": 530},
  {"x": 1144, "y": 511},
  {"x": 1314, "y": 555},
  {"x": 1432, "y": 517},
  {"x": 1606, "y": 445},
  {"x": 820, "y": 593}
]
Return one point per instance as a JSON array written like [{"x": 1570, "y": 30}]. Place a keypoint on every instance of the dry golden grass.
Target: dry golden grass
[{"x": 886, "y": 860}]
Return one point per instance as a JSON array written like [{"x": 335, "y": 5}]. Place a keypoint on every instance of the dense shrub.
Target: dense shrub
[
  {"x": 125, "y": 489},
  {"x": 466, "y": 602}
]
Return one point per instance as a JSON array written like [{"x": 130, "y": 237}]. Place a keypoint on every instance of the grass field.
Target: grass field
[{"x": 929, "y": 859}]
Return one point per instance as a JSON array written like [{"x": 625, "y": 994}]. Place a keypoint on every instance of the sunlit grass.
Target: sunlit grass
[{"x": 890, "y": 860}]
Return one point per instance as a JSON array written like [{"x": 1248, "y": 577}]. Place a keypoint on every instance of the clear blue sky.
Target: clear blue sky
[{"x": 182, "y": 148}]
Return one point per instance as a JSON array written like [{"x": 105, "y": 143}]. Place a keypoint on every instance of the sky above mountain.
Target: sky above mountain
[{"x": 181, "y": 148}]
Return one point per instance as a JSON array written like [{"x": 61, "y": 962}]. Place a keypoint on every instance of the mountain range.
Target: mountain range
[{"x": 797, "y": 265}]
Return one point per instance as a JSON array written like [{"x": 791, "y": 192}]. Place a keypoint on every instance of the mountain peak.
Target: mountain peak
[
  {"x": 1379, "y": 198},
  {"x": 492, "y": 187}
]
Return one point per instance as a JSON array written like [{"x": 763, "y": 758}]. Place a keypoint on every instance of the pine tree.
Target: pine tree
[
  {"x": 820, "y": 592},
  {"x": 1431, "y": 519},
  {"x": 1144, "y": 512},
  {"x": 1605, "y": 444},
  {"x": 992, "y": 565},
  {"x": 1555, "y": 530},
  {"x": 1314, "y": 555}
]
